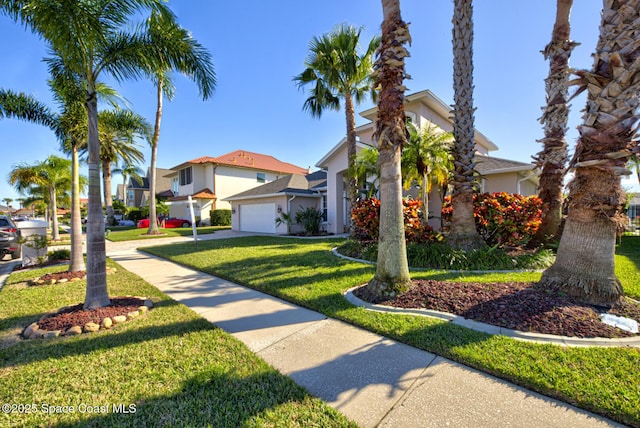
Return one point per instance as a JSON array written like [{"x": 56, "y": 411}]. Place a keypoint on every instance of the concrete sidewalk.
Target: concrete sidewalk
[{"x": 373, "y": 380}]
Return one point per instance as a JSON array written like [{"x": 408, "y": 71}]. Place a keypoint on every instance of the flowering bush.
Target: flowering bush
[
  {"x": 503, "y": 219},
  {"x": 366, "y": 219}
]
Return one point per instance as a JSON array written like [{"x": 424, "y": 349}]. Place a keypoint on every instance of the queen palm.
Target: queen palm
[
  {"x": 53, "y": 174},
  {"x": 463, "y": 233},
  {"x": 90, "y": 37},
  {"x": 584, "y": 265},
  {"x": 195, "y": 63},
  {"x": 336, "y": 70},
  {"x": 392, "y": 269},
  {"x": 367, "y": 168},
  {"x": 552, "y": 160},
  {"x": 426, "y": 159}
]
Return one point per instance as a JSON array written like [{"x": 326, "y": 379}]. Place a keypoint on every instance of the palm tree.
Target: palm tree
[
  {"x": 392, "y": 270},
  {"x": 195, "y": 63},
  {"x": 52, "y": 174},
  {"x": 118, "y": 132},
  {"x": 337, "y": 70},
  {"x": 90, "y": 38},
  {"x": 367, "y": 168},
  {"x": 584, "y": 265},
  {"x": 426, "y": 159},
  {"x": 25, "y": 107},
  {"x": 127, "y": 170},
  {"x": 552, "y": 160},
  {"x": 7, "y": 201},
  {"x": 463, "y": 233}
]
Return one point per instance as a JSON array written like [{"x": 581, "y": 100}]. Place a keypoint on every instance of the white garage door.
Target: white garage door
[{"x": 258, "y": 218}]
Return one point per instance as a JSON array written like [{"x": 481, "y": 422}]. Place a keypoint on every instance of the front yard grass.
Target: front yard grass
[
  {"x": 602, "y": 380},
  {"x": 173, "y": 366},
  {"x": 131, "y": 233}
]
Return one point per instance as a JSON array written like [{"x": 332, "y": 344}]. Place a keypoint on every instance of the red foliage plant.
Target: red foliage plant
[
  {"x": 366, "y": 219},
  {"x": 503, "y": 219}
]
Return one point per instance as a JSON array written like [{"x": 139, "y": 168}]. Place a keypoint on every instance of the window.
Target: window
[
  {"x": 174, "y": 185},
  {"x": 324, "y": 207},
  {"x": 411, "y": 117},
  {"x": 261, "y": 177},
  {"x": 185, "y": 176}
]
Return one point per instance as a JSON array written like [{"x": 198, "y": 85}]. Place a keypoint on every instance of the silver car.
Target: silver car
[{"x": 9, "y": 238}]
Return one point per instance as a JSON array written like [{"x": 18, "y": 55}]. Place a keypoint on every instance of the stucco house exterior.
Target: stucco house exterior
[
  {"x": 423, "y": 109},
  {"x": 210, "y": 180},
  {"x": 137, "y": 191},
  {"x": 257, "y": 209}
]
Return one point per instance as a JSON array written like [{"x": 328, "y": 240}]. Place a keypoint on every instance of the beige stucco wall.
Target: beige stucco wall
[
  {"x": 201, "y": 208},
  {"x": 508, "y": 182},
  {"x": 230, "y": 181}
]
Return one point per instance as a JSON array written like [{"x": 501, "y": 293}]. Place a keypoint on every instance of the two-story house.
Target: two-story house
[{"x": 210, "y": 180}]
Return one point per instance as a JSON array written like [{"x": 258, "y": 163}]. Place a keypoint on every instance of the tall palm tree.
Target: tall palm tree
[
  {"x": 367, "y": 168},
  {"x": 24, "y": 107},
  {"x": 195, "y": 63},
  {"x": 336, "y": 70},
  {"x": 127, "y": 170},
  {"x": 584, "y": 265},
  {"x": 552, "y": 160},
  {"x": 7, "y": 201},
  {"x": 426, "y": 158},
  {"x": 392, "y": 269},
  {"x": 463, "y": 233},
  {"x": 91, "y": 37},
  {"x": 52, "y": 174},
  {"x": 119, "y": 130}
]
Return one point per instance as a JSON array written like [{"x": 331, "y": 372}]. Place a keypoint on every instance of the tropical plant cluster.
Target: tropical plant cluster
[
  {"x": 503, "y": 219},
  {"x": 366, "y": 220},
  {"x": 220, "y": 217}
]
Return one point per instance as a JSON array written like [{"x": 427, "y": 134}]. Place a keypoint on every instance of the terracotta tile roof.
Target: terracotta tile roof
[{"x": 245, "y": 159}]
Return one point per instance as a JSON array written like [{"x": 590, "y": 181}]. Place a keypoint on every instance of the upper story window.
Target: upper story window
[
  {"x": 174, "y": 185},
  {"x": 261, "y": 177},
  {"x": 186, "y": 176},
  {"x": 411, "y": 117}
]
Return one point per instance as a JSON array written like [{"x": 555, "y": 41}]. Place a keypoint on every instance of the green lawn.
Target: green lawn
[
  {"x": 603, "y": 380},
  {"x": 131, "y": 233},
  {"x": 174, "y": 368}
]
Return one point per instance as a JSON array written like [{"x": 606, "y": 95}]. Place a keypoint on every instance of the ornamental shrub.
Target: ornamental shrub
[
  {"x": 366, "y": 220},
  {"x": 503, "y": 219},
  {"x": 220, "y": 217}
]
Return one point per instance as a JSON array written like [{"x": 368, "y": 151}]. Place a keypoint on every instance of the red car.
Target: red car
[{"x": 166, "y": 223}]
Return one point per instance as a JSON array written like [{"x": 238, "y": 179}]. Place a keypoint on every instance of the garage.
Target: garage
[{"x": 258, "y": 217}]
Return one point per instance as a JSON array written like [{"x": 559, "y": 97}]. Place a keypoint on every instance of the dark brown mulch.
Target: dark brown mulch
[
  {"x": 519, "y": 306},
  {"x": 64, "y": 275},
  {"x": 76, "y": 315}
]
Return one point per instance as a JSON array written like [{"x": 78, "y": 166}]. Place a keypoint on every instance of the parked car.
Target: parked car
[
  {"x": 9, "y": 237},
  {"x": 166, "y": 223}
]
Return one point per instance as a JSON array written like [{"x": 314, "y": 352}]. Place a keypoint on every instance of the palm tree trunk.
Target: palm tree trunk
[
  {"x": 97, "y": 295},
  {"x": 153, "y": 224},
  {"x": 351, "y": 149},
  {"x": 55, "y": 233},
  {"x": 552, "y": 159},
  {"x": 106, "y": 190},
  {"x": 584, "y": 267},
  {"x": 463, "y": 233},
  {"x": 77, "y": 259},
  {"x": 392, "y": 270}
]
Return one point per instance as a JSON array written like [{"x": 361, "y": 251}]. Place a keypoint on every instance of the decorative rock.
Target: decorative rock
[
  {"x": 91, "y": 327},
  {"x": 62, "y": 280},
  {"x": 31, "y": 328},
  {"x": 148, "y": 303},
  {"x": 37, "y": 334},
  {"x": 106, "y": 323},
  {"x": 143, "y": 309},
  {"x": 75, "y": 279},
  {"x": 49, "y": 282},
  {"x": 119, "y": 319},
  {"x": 73, "y": 331},
  {"x": 50, "y": 334},
  {"x": 133, "y": 314}
]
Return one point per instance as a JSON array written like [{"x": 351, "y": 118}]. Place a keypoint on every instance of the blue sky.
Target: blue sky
[{"x": 257, "y": 48}]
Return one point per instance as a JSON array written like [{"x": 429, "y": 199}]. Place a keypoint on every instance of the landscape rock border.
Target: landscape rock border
[{"x": 33, "y": 330}]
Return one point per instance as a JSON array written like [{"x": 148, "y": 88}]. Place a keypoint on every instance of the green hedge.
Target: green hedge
[{"x": 220, "y": 217}]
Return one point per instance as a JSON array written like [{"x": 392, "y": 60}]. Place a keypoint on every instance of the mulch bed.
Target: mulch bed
[
  {"x": 77, "y": 316},
  {"x": 519, "y": 306}
]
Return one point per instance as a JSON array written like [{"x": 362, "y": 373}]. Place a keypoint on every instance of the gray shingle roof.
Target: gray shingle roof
[
  {"x": 295, "y": 183},
  {"x": 488, "y": 163}
]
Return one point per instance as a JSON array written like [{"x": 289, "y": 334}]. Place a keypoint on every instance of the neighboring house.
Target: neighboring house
[
  {"x": 422, "y": 108},
  {"x": 257, "y": 209},
  {"x": 633, "y": 212},
  {"x": 138, "y": 190},
  {"x": 209, "y": 181}
]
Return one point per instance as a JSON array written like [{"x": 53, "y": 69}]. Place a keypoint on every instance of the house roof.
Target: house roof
[
  {"x": 489, "y": 165},
  {"x": 162, "y": 182},
  {"x": 200, "y": 194},
  {"x": 246, "y": 159},
  {"x": 295, "y": 184}
]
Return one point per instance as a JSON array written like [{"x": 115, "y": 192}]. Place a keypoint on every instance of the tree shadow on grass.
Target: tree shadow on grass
[{"x": 222, "y": 400}]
